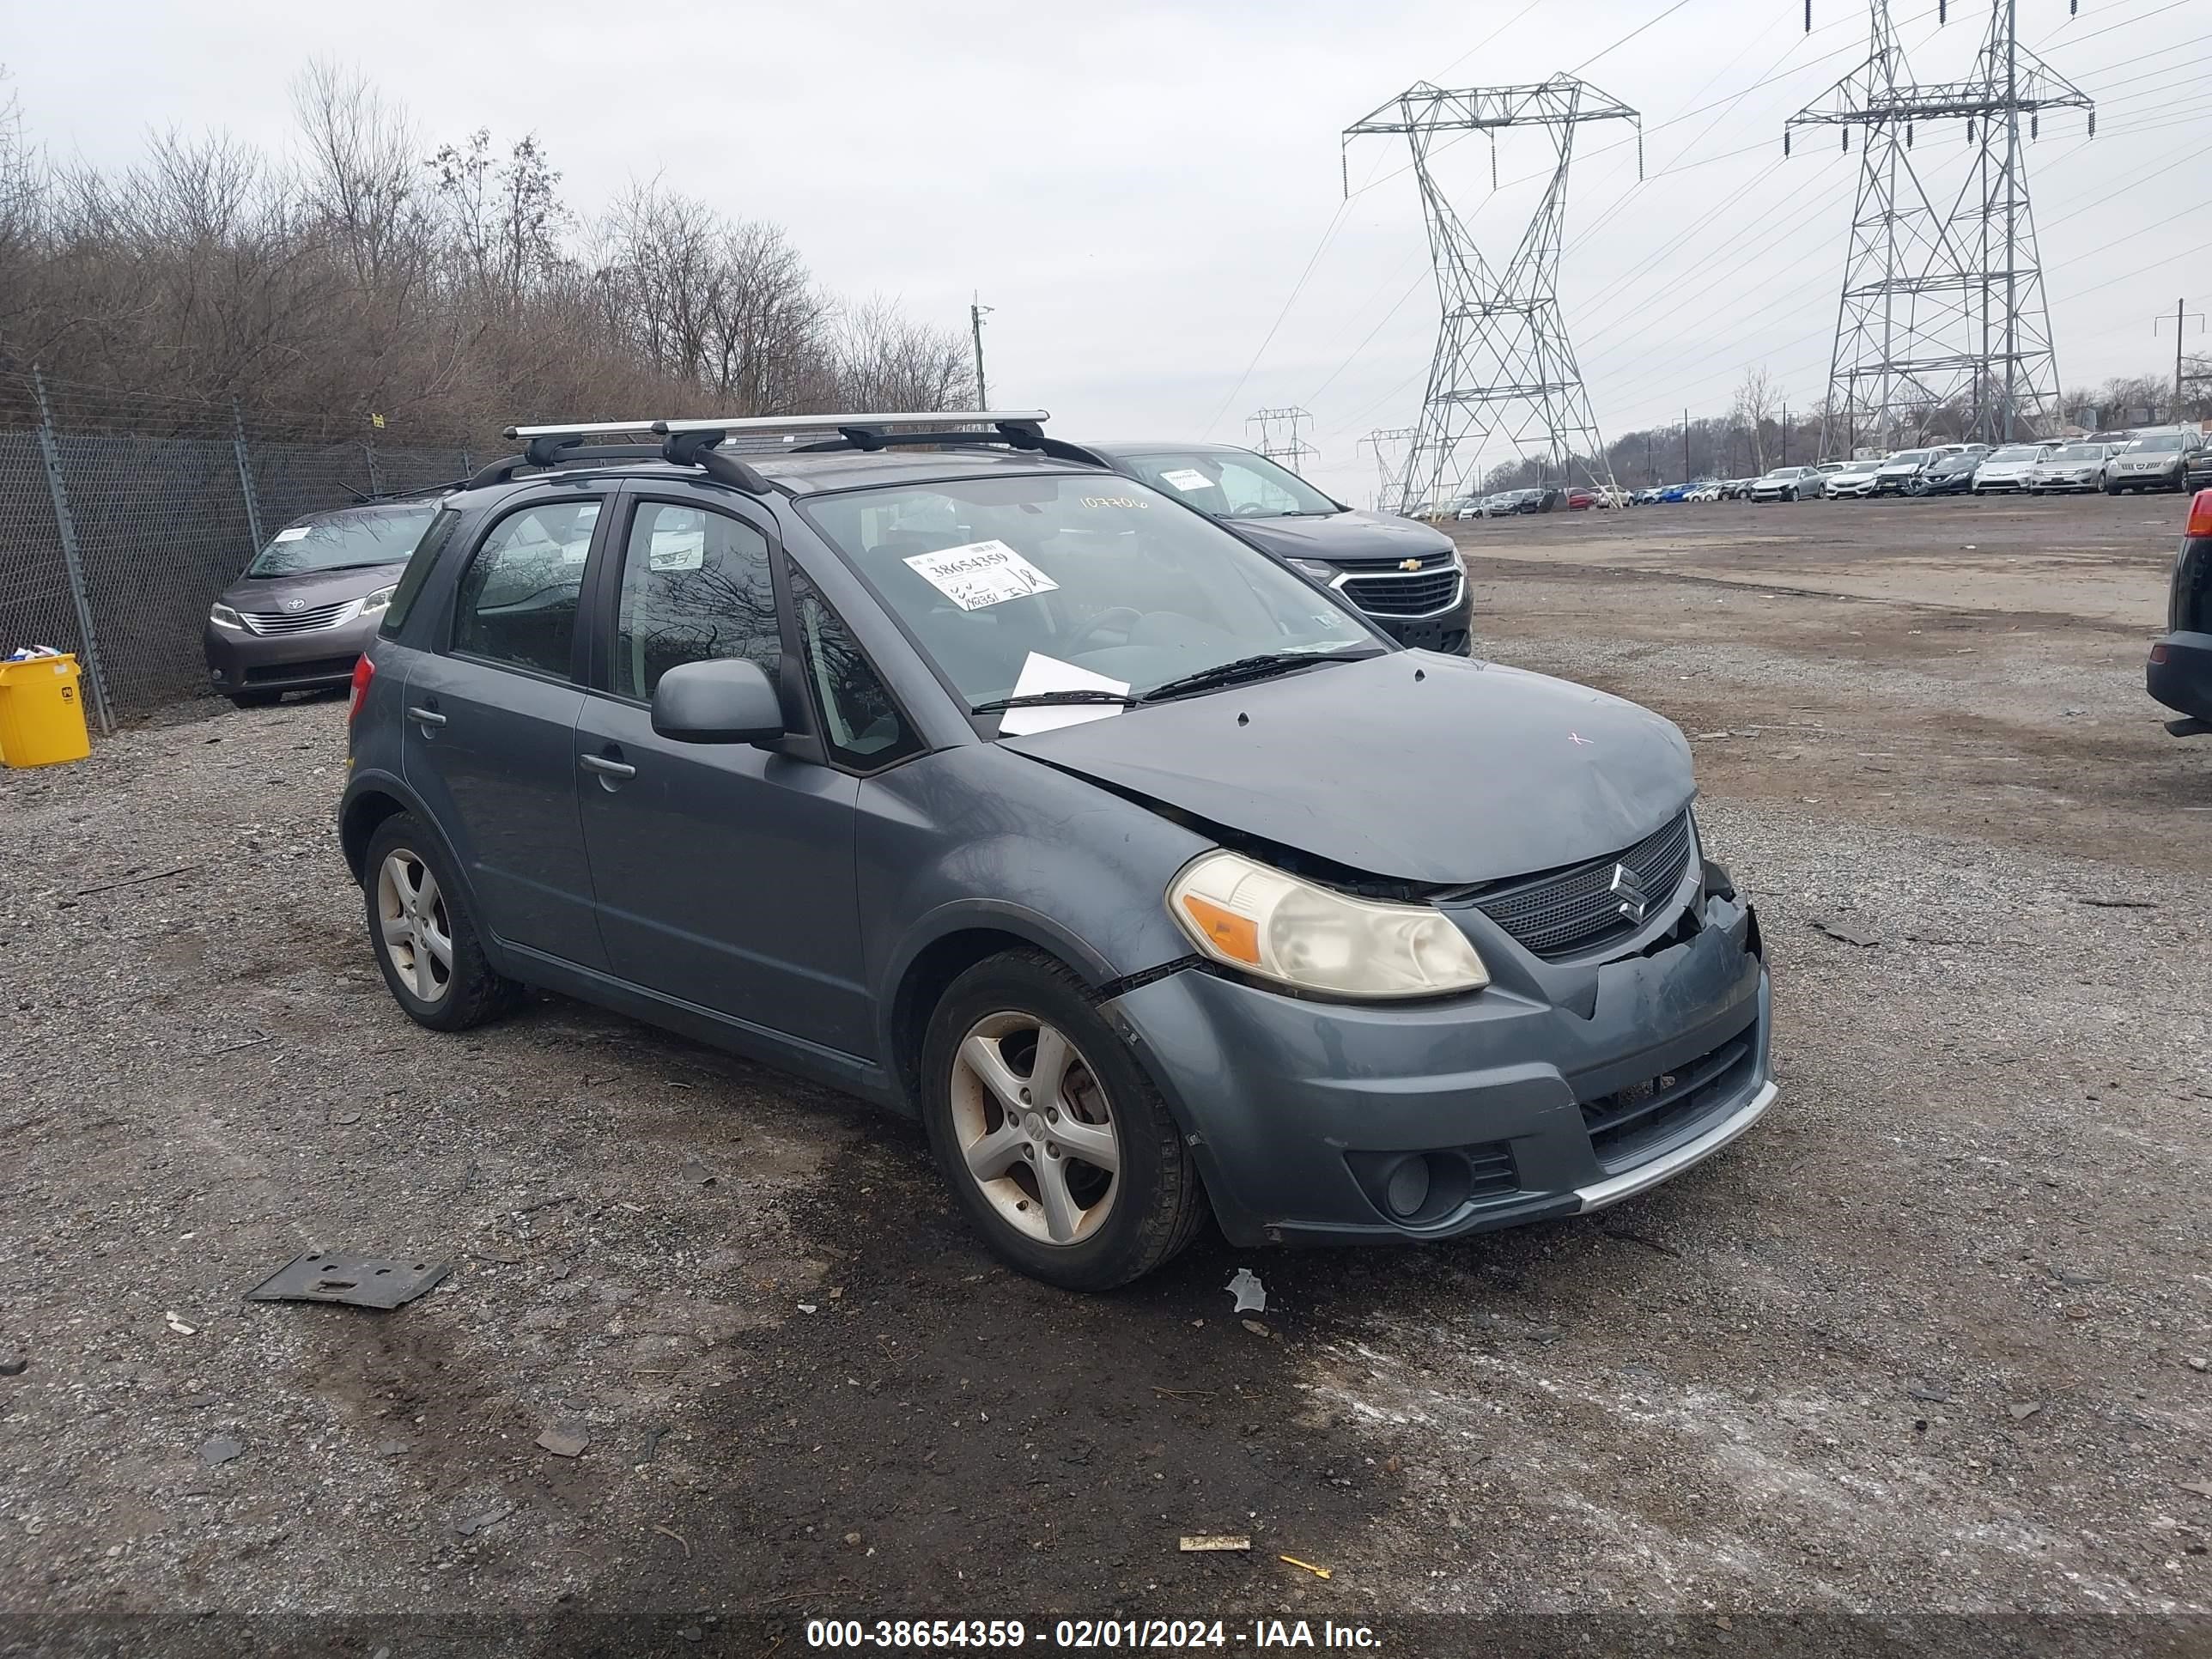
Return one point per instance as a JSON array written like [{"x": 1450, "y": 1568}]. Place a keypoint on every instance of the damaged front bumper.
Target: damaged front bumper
[{"x": 1559, "y": 1089}]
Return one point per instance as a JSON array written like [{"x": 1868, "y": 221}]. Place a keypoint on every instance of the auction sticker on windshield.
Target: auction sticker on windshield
[
  {"x": 1187, "y": 478},
  {"x": 981, "y": 573}
]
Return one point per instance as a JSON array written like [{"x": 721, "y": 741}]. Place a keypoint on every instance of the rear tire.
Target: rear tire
[
  {"x": 424, "y": 933},
  {"x": 1017, "y": 1145}
]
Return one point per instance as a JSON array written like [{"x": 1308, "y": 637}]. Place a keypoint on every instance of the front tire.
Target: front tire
[
  {"x": 424, "y": 933},
  {"x": 1053, "y": 1139}
]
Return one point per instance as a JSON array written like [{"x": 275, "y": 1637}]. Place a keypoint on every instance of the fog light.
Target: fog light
[{"x": 1409, "y": 1187}]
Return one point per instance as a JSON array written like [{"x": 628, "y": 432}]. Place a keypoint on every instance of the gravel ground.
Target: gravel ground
[{"x": 1933, "y": 1339}]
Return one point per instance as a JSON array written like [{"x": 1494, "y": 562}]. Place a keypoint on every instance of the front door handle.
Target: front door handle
[
  {"x": 427, "y": 716},
  {"x": 606, "y": 768}
]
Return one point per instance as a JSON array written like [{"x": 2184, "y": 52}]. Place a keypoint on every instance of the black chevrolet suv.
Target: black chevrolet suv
[
  {"x": 2179, "y": 672},
  {"x": 1404, "y": 576}
]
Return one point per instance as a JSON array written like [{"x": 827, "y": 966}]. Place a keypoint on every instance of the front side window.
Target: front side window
[
  {"x": 1097, "y": 575},
  {"x": 518, "y": 601},
  {"x": 696, "y": 585},
  {"x": 1231, "y": 484},
  {"x": 351, "y": 540}
]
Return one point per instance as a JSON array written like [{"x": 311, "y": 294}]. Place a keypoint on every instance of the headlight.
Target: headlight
[
  {"x": 378, "y": 600},
  {"x": 224, "y": 616},
  {"x": 1323, "y": 573},
  {"x": 1255, "y": 917}
]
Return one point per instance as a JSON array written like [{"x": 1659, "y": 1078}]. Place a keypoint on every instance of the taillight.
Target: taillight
[
  {"x": 2200, "y": 515},
  {"x": 364, "y": 671}
]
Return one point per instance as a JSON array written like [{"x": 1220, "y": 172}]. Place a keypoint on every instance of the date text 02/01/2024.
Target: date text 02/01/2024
[{"x": 1086, "y": 1634}]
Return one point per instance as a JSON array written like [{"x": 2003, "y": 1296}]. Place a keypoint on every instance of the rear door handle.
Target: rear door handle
[
  {"x": 612, "y": 768},
  {"x": 427, "y": 716}
]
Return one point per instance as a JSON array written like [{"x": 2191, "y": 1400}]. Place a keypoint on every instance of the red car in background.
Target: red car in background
[{"x": 1581, "y": 498}]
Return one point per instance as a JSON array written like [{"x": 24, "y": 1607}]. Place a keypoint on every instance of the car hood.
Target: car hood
[
  {"x": 1427, "y": 768},
  {"x": 309, "y": 588},
  {"x": 1354, "y": 538}
]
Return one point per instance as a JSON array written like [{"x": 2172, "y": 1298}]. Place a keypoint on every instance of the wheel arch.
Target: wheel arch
[{"x": 957, "y": 944}]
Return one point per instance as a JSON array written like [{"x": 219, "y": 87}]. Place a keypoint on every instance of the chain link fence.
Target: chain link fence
[{"x": 112, "y": 546}]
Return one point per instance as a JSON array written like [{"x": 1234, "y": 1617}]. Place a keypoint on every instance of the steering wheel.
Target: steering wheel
[{"x": 1124, "y": 616}]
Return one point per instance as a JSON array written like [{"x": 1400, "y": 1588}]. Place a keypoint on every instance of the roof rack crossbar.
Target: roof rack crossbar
[
  {"x": 662, "y": 428},
  {"x": 1016, "y": 434},
  {"x": 548, "y": 449}
]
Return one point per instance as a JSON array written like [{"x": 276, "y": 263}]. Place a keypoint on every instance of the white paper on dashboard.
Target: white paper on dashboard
[
  {"x": 1187, "y": 478},
  {"x": 1043, "y": 673},
  {"x": 296, "y": 533},
  {"x": 981, "y": 573}
]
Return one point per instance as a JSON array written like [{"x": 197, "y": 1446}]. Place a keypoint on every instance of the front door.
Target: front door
[
  {"x": 490, "y": 720},
  {"x": 724, "y": 872}
]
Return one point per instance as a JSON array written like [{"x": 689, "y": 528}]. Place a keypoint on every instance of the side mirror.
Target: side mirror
[{"x": 724, "y": 700}]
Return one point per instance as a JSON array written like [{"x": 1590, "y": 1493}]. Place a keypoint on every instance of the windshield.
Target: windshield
[
  {"x": 2164, "y": 442},
  {"x": 1232, "y": 483},
  {"x": 1908, "y": 458},
  {"x": 2017, "y": 453},
  {"x": 2079, "y": 452},
  {"x": 372, "y": 536},
  {"x": 1073, "y": 583}
]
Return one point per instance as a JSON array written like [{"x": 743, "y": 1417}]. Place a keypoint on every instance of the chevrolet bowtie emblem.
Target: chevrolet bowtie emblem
[{"x": 1409, "y": 564}]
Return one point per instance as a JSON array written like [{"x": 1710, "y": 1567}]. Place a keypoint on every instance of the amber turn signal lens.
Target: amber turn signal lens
[{"x": 1230, "y": 934}]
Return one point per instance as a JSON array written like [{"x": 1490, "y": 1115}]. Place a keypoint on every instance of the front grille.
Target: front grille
[
  {"x": 1412, "y": 593},
  {"x": 301, "y": 622},
  {"x": 1576, "y": 910},
  {"x": 1629, "y": 1120},
  {"x": 314, "y": 668}
]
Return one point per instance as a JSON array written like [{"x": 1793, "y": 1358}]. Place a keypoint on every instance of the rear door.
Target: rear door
[
  {"x": 489, "y": 720},
  {"x": 724, "y": 872}
]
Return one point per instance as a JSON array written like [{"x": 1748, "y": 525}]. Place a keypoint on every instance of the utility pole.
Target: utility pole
[
  {"x": 975, "y": 314},
  {"x": 1686, "y": 446},
  {"x": 1785, "y": 432},
  {"x": 2182, "y": 314}
]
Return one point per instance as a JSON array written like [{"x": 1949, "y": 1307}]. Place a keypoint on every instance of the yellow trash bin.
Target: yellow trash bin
[{"x": 41, "y": 715}]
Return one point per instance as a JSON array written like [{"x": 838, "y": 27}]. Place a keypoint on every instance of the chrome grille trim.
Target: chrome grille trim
[
  {"x": 1403, "y": 595},
  {"x": 301, "y": 622}
]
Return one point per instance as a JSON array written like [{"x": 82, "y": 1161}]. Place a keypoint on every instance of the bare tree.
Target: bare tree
[
  {"x": 1757, "y": 401},
  {"x": 886, "y": 360}
]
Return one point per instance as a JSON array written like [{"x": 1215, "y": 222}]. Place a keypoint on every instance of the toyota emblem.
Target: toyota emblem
[{"x": 295, "y": 604}]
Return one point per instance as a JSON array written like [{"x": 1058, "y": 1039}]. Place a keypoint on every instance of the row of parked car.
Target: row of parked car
[{"x": 2175, "y": 458}]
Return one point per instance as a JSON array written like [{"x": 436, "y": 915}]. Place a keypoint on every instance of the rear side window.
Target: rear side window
[
  {"x": 518, "y": 600},
  {"x": 696, "y": 585},
  {"x": 861, "y": 726},
  {"x": 420, "y": 563}
]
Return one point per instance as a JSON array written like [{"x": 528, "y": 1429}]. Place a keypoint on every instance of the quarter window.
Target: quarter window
[
  {"x": 518, "y": 601},
  {"x": 696, "y": 585},
  {"x": 861, "y": 726}
]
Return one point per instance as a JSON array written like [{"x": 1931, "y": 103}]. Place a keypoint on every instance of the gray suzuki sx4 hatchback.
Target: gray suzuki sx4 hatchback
[{"x": 929, "y": 758}]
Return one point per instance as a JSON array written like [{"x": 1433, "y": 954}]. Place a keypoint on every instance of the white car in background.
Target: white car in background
[
  {"x": 1853, "y": 478},
  {"x": 2008, "y": 466},
  {"x": 1788, "y": 484},
  {"x": 1706, "y": 492}
]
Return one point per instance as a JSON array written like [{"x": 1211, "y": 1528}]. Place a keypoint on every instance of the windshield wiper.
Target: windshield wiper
[
  {"x": 1262, "y": 667},
  {"x": 1046, "y": 699}
]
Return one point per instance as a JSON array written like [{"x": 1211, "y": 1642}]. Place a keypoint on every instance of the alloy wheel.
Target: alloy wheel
[
  {"x": 1034, "y": 1128},
  {"x": 411, "y": 919}
]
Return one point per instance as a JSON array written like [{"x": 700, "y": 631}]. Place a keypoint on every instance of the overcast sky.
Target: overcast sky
[{"x": 1136, "y": 189}]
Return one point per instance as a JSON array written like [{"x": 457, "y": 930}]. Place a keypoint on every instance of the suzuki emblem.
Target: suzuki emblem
[
  {"x": 1634, "y": 901},
  {"x": 1578, "y": 740},
  {"x": 1409, "y": 564}
]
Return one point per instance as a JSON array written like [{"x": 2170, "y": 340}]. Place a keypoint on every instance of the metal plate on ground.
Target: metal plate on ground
[{"x": 360, "y": 1281}]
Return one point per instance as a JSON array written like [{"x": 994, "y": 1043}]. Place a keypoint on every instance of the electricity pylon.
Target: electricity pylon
[
  {"x": 1503, "y": 367},
  {"x": 1385, "y": 466},
  {"x": 1942, "y": 310},
  {"x": 1282, "y": 435}
]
